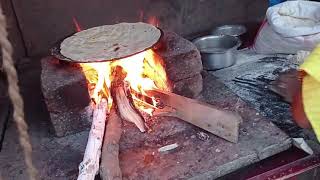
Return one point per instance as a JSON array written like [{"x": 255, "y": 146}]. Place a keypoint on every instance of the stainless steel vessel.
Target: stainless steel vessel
[{"x": 217, "y": 52}]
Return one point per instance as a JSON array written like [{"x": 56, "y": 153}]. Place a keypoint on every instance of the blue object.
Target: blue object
[{"x": 275, "y": 2}]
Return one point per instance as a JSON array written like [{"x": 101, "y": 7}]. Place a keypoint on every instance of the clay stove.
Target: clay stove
[
  {"x": 65, "y": 88},
  {"x": 199, "y": 154}
]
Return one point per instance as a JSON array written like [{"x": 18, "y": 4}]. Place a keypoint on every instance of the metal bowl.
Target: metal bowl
[
  {"x": 231, "y": 30},
  {"x": 217, "y": 52}
]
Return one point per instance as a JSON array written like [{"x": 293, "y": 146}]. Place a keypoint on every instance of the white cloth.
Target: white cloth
[
  {"x": 291, "y": 26},
  {"x": 295, "y": 18}
]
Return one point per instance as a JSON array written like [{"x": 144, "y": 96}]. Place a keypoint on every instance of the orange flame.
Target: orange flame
[
  {"x": 154, "y": 21},
  {"x": 145, "y": 71},
  {"x": 150, "y": 20},
  {"x": 76, "y": 24}
]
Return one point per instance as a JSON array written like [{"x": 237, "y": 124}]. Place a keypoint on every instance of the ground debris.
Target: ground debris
[
  {"x": 203, "y": 136},
  {"x": 168, "y": 148}
]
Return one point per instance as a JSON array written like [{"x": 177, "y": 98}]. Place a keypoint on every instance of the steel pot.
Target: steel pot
[{"x": 217, "y": 52}]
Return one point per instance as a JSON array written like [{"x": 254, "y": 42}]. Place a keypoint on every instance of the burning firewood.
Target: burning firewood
[
  {"x": 110, "y": 169},
  {"x": 122, "y": 104},
  {"x": 89, "y": 167},
  {"x": 120, "y": 93}
]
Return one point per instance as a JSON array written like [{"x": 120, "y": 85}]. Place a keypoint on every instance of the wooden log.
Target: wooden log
[
  {"x": 126, "y": 109},
  {"x": 222, "y": 123},
  {"x": 120, "y": 93},
  {"x": 89, "y": 167},
  {"x": 110, "y": 168}
]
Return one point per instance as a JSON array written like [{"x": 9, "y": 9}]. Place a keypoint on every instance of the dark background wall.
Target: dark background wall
[
  {"x": 42, "y": 23},
  {"x": 15, "y": 35}
]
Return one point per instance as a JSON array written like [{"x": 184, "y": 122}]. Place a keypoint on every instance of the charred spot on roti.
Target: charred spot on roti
[{"x": 116, "y": 49}]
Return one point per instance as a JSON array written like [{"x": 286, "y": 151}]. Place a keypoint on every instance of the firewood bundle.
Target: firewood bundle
[
  {"x": 222, "y": 123},
  {"x": 106, "y": 139}
]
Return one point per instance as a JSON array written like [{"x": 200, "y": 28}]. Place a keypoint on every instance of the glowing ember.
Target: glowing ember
[{"x": 144, "y": 72}]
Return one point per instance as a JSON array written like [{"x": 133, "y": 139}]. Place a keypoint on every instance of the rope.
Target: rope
[{"x": 15, "y": 96}]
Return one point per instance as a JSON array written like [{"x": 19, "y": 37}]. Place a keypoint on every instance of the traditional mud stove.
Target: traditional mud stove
[{"x": 138, "y": 73}]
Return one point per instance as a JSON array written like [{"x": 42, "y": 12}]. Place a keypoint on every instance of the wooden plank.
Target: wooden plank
[{"x": 224, "y": 124}]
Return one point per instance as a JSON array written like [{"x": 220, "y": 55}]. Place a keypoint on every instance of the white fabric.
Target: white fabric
[
  {"x": 292, "y": 26},
  {"x": 295, "y": 18},
  {"x": 270, "y": 42}
]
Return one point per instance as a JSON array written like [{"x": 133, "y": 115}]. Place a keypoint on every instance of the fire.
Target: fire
[
  {"x": 150, "y": 19},
  {"x": 76, "y": 24},
  {"x": 154, "y": 21},
  {"x": 98, "y": 77},
  {"x": 144, "y": 71}
]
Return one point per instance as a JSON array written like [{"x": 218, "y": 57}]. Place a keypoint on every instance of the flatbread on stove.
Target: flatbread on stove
[{"x": 110, "y": 42}]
